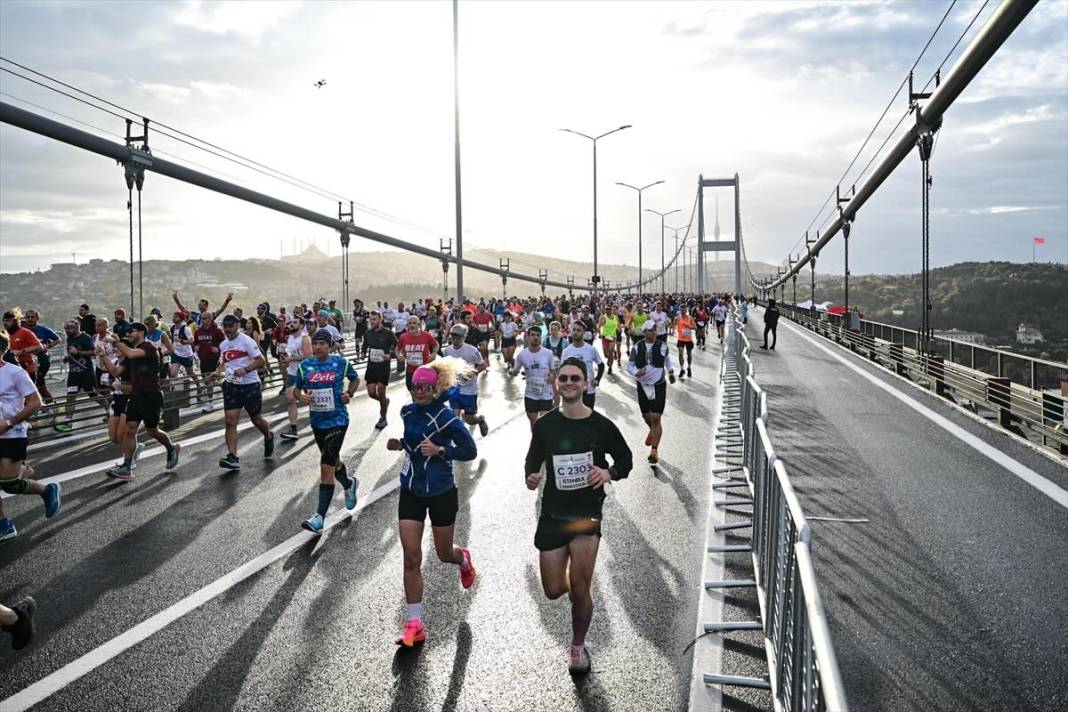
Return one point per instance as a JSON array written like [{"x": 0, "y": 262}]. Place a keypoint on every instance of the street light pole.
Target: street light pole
[
  {"x": 594, "y": 140},
  {"x": 678, "y": 256},
  {"x": 640, "y": 191},
  {"x": 663, "y": 268}
]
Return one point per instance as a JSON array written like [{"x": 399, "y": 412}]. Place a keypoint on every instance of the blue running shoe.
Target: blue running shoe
[
  {"x": 350, "y": 493},
  {"x": 314, "y": 523},
  {"x": 51, "y": 497},
  {"x": 7, "y": 529}
]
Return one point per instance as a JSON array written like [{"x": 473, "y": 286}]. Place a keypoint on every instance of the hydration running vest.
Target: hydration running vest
[{"x": 643, "y": 358}]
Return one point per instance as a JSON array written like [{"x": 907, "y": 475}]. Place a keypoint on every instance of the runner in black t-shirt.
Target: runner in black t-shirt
[
  {"x": 380, "y": 343},
  {"x": 141, "y": 368},
  {"x": 573, "y": 444}
]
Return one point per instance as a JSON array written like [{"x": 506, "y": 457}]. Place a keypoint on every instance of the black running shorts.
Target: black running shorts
[
  {"x": 13, "y": 449},
  {"x": 537, "y": 406},
  {"x": 241, "y": 395},
  {"x": 656, "y": 403},
  {"x": 377, "y": 373},
  {"x": 442, "y": 508},
  {"x": 144, "y": 409},
  {"x": 556, "y": 531}
]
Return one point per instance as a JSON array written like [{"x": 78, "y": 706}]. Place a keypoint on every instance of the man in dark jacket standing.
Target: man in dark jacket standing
[{"x": 771, "y": 323}]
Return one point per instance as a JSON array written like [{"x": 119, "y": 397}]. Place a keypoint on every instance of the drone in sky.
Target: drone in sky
[{"x": 320, "y": 84}]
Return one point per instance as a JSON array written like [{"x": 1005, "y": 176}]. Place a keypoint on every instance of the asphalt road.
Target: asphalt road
[
  {"x": 952, "y": 595},
  {"x": 315, "y": 629}
]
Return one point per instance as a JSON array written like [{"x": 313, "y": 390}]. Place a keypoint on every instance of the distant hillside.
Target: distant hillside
[
  {"x": 990, "y": 298},
  {"x": 373, "y": 276}
]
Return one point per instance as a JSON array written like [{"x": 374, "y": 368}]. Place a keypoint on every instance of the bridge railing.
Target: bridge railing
[
  {"x": 803, "y": 674},
  {"x": 1019, "y": 390}
]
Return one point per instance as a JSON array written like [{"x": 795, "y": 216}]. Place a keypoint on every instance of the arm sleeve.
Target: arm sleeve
[
  {"x": 619, "y": 451},
  {"x": 462, "y": 445},
  {"x": 535, "y": 453}
]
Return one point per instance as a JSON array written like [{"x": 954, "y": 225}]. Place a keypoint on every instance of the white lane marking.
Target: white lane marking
[
  {"x": 1025, "y": 473},
  {"x": 837, "y": 519},
  {"x": 152, "y": 452},
  {"x": 71, "y": 672}
]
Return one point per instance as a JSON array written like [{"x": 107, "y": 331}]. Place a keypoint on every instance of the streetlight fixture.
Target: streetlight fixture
[
  {"x": 594, "y": 140},
  {"x": 677, "y": 256},
  {"x": 663, "y": 289},
  {"x": 639, "y": 191}
]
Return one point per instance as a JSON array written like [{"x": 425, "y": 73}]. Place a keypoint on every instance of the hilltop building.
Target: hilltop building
[
  {"x": 1028, "y": 335},
  {"x": 967, "y": 337}
]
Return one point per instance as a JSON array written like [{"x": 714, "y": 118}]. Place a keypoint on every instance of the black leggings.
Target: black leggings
[
  {"x": 774, "y": 336},
  {"x": 329, "y": 441}
]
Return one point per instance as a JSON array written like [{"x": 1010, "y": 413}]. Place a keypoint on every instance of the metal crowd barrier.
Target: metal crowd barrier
[
  {"x": 803, "y": 673},
  {"x": 1016, "y": 389},
  {"x": 85, "y": 411}
]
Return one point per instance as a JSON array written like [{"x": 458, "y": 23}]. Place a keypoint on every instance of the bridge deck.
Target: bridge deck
[
  {"x": 316, "y": 628},
  {"x": 952, "y": 595}
]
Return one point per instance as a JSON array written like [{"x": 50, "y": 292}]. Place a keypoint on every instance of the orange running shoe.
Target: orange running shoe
[
  {"x": 467, "y": 575},
  {"x": 414, "y": 634}
]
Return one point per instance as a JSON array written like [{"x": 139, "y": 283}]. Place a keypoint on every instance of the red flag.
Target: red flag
[{"x": 1040, "y": 241}]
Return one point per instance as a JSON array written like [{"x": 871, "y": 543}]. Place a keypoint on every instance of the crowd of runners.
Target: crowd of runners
[{"x": 560, "y": 346}]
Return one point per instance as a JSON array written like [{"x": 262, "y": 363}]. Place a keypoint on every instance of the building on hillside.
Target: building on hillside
[
  {"x": 1028, "y": 335},
  {"x": 967, "y": 337}
]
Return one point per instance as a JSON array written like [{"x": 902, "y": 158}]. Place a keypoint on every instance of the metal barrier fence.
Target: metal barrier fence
[
  {"x": 803, "y": 672},
  {"x": 1016, "y": 389},
  {"x": 85, "y": 412}
]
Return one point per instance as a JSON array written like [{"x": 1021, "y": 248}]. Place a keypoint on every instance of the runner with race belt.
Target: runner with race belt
[
  {"x": 684, "y": 330},
  {"x": 649, "y": 363},
  {"x": 573, "y": 444},
  {"x": 320, "y": 383},
  {"x": 537, "y": 363},
  {"x": 379, "y": 343}
]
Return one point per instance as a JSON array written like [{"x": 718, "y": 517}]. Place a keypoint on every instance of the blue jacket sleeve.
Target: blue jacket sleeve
[{"x": 461, "y": 446}]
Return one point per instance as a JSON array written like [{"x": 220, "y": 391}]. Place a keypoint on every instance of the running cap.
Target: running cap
[
  {"x": 458, "y": 330},
  {"x": 649, "y": 326},
  {"x": 324, "y": 313},
  {"x": 425, "y": 375},
  {"x": 323, "y": 335},
  {"x": 230, "y": 320},
  {"x": 138, "y": 326}
]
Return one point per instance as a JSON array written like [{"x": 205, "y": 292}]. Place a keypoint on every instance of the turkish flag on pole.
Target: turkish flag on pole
[{"x": 1040, "y": 241}]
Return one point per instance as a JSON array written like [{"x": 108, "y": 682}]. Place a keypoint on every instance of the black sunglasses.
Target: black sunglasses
[{"x": 564, "y": 378}]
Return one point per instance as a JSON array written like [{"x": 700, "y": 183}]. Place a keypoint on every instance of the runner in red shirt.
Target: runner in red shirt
[
  {"x": 483, "y": 322},
  {"x": 206, "y": 342},
  {"x": 24, "y": 344},
  {"x": 415, "y": 347}
]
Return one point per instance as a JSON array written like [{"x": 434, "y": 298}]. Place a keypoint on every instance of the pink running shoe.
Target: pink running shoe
[
  {"x": 468, "y": 573},
  {"x": 414, "y": 634}
]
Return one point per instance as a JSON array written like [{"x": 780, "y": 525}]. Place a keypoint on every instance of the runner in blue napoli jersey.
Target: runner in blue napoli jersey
[{"x": 320, "y": 386}]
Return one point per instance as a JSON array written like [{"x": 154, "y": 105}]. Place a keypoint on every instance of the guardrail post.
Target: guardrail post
[
  {"x": 936, "y": 366},
  {"x": 897, "y": 359},
  {"x": 998, "y": 392},
  {"x": 1055, "y": 415}
]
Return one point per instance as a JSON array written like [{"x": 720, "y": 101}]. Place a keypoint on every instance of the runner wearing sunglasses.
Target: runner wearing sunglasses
[
  {"x": 573, "y": 444},
  {"x": 433, "y": 438}
]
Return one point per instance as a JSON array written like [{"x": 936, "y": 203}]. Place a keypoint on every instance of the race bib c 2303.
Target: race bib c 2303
[{"x": 572, "y": 471}]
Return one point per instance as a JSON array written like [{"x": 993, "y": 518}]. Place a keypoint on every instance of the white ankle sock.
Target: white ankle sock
[{"x": 415, "y": 611}]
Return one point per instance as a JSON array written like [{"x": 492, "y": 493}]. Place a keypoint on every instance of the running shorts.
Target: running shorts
[
  {"x": 657, "y": 402},
  {"x": 688, "y": 345},
  {"x": 506, "y": 342},
  {"x": 556, "y": 531},
  {"x": 377, "y": 373},
  {"x": 13, "y": 449},
  {"x": 241, "y": 395},
  {"x": 42, "y": 371},
  {"x": 118, "y": 403},
  {"x": 537, "y": 406},
  {"x": 207, "y": 365},
  {"x": 468, "y": 403},
  {"x": 329, "y": 441},
  {"x": 81, "y": 381},
  {"x": 144, "y": 409},
  {"x": 442, "y": 508},
  {"x": 182, "y": 361}
]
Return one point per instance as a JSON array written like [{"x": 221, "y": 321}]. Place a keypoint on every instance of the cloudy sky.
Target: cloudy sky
[{"x": 781, "y": 93}]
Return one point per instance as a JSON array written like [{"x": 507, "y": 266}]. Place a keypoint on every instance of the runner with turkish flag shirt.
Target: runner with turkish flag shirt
[
  {"x": 241, "y": 357},
  {"x": 415, "y": 348}
]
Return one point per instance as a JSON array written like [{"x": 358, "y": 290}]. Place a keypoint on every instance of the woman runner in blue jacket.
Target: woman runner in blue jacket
[{"x": 434, "y": 437}]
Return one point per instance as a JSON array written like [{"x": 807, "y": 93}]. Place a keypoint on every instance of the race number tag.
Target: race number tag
[
  {"x": 536, "y": 386},
  {"x": 649, "y": 391},
  {"x": 414, "y": 358},
  {"x": 105, "y": 379},
  {"x": 573, "y": 470},
  {"x": 322, "y": 400},
  {"x": 230, "y": 376},
  {"x": 687, "y": 333},
  {"x": 587, "y": 335},
  {"x": 556, "y": 363},
  {"x": 73, "y": 389},
  {"x": 376, "y": 355},
  {"x": 483, "y": 327}
]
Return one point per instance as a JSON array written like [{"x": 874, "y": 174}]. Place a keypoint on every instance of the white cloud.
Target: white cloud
[
  {"x": 1001, "y": 209},
  {"x": 167, "y": 92},
  {"x": 248, "y": 18},
  {"x": 990, "y": 133}
]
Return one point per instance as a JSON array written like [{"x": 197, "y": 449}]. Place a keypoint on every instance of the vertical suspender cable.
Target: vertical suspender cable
[
  {"x": 129, "y": 210},
  {"x": 140, "y": 264}
]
